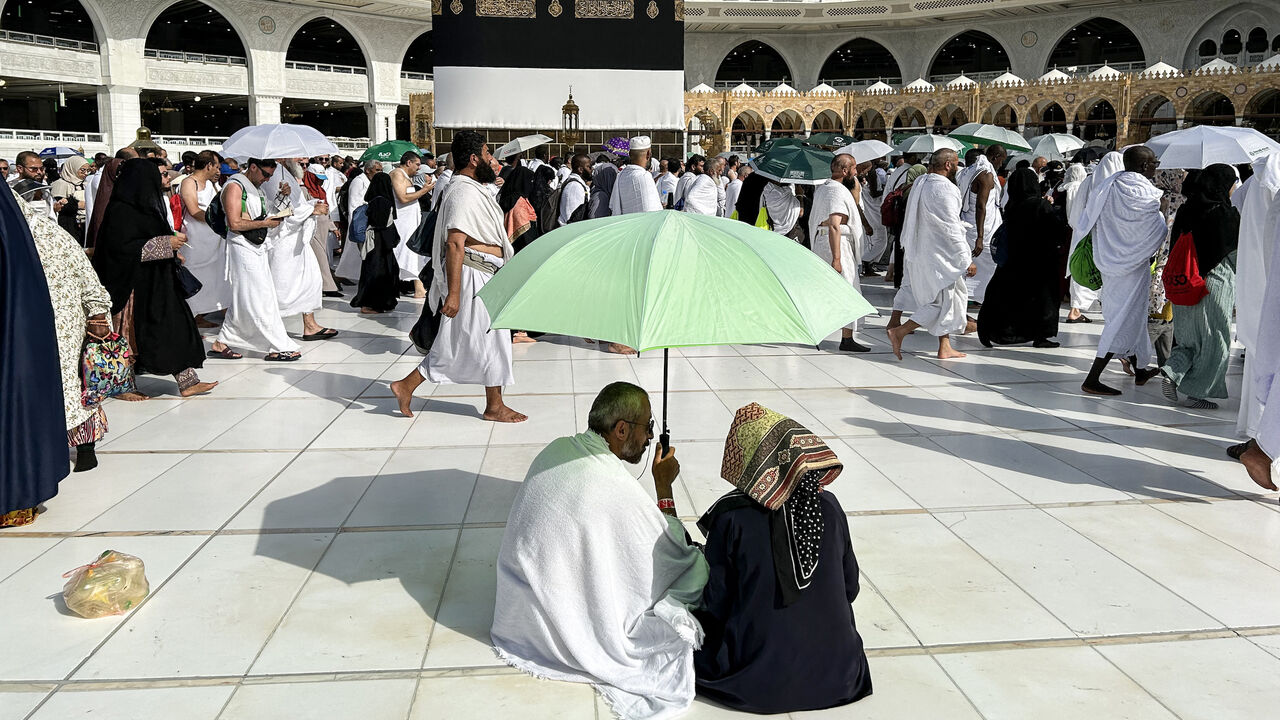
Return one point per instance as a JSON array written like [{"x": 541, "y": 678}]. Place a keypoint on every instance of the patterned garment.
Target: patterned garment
[
  {"x": 77, "y": 295},
  {"x": 777, "y": 463}
]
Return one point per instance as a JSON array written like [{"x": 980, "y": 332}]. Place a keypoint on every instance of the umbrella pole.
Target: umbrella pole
[{"x": 665, "y": 438}]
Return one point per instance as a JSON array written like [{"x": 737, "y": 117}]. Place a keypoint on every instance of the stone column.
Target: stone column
[
  {"x": 119, "y": 114},
  {"x": 382, "y": 121},
  {"x": 264, "y": 109}
]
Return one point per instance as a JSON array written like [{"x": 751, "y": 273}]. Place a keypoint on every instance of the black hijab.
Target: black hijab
[
  {"x": 1208, "y": 215},
  {"x": 381, "y": 199},
  {"x": 134, "y": 216},
  {"x": 748, "y": 205},
  {"x": 541, "y": 192},
  {"x": 518, "y": 184}
]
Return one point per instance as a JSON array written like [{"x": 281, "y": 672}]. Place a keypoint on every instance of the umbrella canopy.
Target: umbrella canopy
[
  {"x": 866, "y": 150},
  {"x": 925, "y": 144},
  {"x": 277, "y": 141},
  {"x": 1059, "y": 144},
  {"x": 983, "y": 134},
  {"x": 1089, "y": 154},
  {"x": 778, "y": 143},
  {"x": 1203, "y": 145},
  {"x": 59, "y": 152},
  {"x": 829, "y": 139},
  {"x": 671, "y": 279},
  {"x": 521, "y": 144},
  {"x": 389, "y": 151},
  {"x": 795, "y": 165}
]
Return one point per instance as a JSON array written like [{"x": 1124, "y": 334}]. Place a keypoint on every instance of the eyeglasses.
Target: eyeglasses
[{"x": 632, "y": 422}]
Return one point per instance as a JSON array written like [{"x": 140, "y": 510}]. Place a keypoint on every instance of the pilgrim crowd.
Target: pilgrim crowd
[{"x": 210, "y": 257}]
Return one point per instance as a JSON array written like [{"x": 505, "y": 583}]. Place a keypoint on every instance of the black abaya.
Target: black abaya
[
  {"x": 379, "y": 271},
  {"x": 1023, "y": 298},
  {"x": 762, "y": 657},
  {"x": 33, "y": 430}
]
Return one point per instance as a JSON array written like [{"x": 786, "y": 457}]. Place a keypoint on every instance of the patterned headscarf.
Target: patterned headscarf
[
  {"x": 777, "y": 463},
  {"x": 618, "y": 146}
]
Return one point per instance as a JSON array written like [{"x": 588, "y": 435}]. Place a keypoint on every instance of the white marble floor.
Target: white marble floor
[{"x": 1028, "y": 552}]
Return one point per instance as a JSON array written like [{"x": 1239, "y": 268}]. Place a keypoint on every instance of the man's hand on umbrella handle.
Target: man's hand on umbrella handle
[{"x": 665, "y": 470}]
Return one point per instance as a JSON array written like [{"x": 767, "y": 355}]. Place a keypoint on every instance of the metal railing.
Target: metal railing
[
  {"x": 406, "y": 75},
  {"x": 1240, "y": 58},
  {"x": 862, "y": 83},
  {"x": 50, "y": 136},
  {"x": 179, "y": 56},
  {"x": 323, "y": 67},
  {"x": 48, "y": 41},
  {"x": 941, "y": 80},
  {"x": 1083, "y": 70},
  {"x": 761, "y": 85},
  {"x": 351, "y": 144},
  {"x": 190, "y": 140}
]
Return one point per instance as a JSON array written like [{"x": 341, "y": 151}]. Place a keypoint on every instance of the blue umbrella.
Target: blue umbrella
[{"x": 59, "y": 152}]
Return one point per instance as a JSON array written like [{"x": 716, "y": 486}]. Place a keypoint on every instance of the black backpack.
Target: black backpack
[
  {"x": 549, "y": 219},
  {"x": 215, "y": 216}
]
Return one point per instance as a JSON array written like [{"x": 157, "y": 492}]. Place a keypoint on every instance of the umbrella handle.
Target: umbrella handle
[{"x": 664, "y": 440}]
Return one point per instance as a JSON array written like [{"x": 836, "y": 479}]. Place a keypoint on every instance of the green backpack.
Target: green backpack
[{"x": 1083, "y": 269}]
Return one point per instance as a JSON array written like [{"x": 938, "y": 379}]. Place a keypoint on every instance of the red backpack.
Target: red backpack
[
  {"x": 892, "y": 210},
  {"x": 1183, "y": 284}
]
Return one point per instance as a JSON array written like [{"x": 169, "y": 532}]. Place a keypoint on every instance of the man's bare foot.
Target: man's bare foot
[
  {"x": 970, "y": 327},
  {"x": 1126, "y": 367},
  {"x": 895, "y": 340},
  {"x": 1258, "y": 465},
  {"x": 1097, "y": 388},
  {"x": 199, "y": 388},
  {"x": 520, "y": 337},
  {"x": 369, "y": 311},
  {"x": 404, "y": 397},
  {"x": 504, "y": 414},
  {"x": 620, "y": 349},
  {"x": 1073, "y": 315},
  {"x": 950, "y": 354},
  {"x": 133, "y": 397}
]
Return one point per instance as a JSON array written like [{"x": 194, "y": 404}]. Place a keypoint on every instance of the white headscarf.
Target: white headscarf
[{"x": 1111, "y": 163}]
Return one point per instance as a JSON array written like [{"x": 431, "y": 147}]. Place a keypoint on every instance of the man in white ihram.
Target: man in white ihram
[
  {"x": 1259, "y": 203},
  {"x": 835, "y": 232},
  {"x": 1128, "y": 229},
  {"x": 938, "y": 257},
  {"x": 635, "y": 191},
  {"x": 294, "y": 269}
]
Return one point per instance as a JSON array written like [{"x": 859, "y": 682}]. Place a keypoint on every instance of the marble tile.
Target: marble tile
[
  {"x": 189, "y": 426},
  {"x": 368, "y": 605},
  {"x": 912, "y": 686},
  {"x": 550, "y": 417},
  {"x": 124, "y": 417},
  {"x": 540, "y": 377},
  {"x": 681, "y": 375},
  {"x": 317, "y": 490},
  {"x": 445, "y": 421},
  {"x": 461, "y": 634},
  {"x": 931, "y": 476},
  {"x": 15, "y": 552},
  {"x": 732, "y": 373},
  {"x": 589, "y": 376},
  {"x": 420, "y": 487},
  {"x": 1032, "y": 474},
  {"x": 17, "y": 705},
  {"x": 216, "y": 614},
  {"x": 1233, "y": 677},
  {"x": 348, "y": 700},
  {"x": 264, "y": 381},
  {"x": 482, "y": 697},
  {"x": 878, "y": 624},
  {"x": 793, "y": 371},
  {"x": 369, "y": 423},
  {"x": 848, "y": 414},
  {"x": 1050, "y": 684},
  {"x": 862, "y": 488},
  {"x": 164, "y": 703},
  {"x": 83, "y": 496},
  {"x": 1251, "y": 528},
  {"x": 501, "y": 473},
  {"x": 281, "y": 424},
  {"x": 337, "y": 380}
]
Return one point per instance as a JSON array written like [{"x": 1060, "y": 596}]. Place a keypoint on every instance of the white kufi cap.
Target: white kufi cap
[{"x": 641, "y": 142}]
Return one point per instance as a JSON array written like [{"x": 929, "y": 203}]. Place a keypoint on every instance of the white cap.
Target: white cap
[
  {"x": 641, "y": 142},
  {"x": 316, "y": 169}
]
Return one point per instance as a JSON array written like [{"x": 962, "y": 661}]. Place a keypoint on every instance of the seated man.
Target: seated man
[
  {"x": 594, "y": 581},
  {"x": 780, "y": 635}
]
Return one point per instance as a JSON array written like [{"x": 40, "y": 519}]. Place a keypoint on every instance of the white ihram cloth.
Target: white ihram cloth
[
  {"x": 666, "y": 184},
  {"x": 784, "y": 208},
  {"x": 731, "y": 193},
  {"x": 595, "y": 583},
  {"x": 350, "y": 262},
  {"x": 90, "y": 191},
  {"x": 938, "y": 254},
  {"x": 1266, "y": 354},
  {"x": 206, "y": 257},
  {"x": 294, "y": 268},
  {"x": 977, "y": 285},
  {"x": 878, "y": 241},
  {"x": 466, "y": 350},
  {"x": 833, "y": 198},
  {"x": 1259, "y": 204},
  {"x": 253, "y": 320},
  {"x": 1123, "y": 214},
  {"x": 682, "y": 185},
  {"x": 704, "y": 196},
  {"x": 407, "y": 217},
  {"x": 634, "y": 192},
  {"x": 1075, "y": 193}
]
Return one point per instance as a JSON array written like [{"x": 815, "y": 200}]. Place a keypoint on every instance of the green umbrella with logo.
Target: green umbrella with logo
[
  {"x": 671, "y": 279},
  {"x": 829, "y": 140},
  {"x": 985, "y": 134},
  {"x": 389, "y": 151},
  {"x": 778, "y": 144},
  {"x": 802, "y": 165}
]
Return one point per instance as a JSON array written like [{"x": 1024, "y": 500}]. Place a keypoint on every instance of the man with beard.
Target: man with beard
[
  {"x": 835, "y": 226},
  {"x": 573, "y": 192},
  {"x": 938, "y": 257},
  {"x": 595, "y": 581},
  {"x": 469, "y": 246}
]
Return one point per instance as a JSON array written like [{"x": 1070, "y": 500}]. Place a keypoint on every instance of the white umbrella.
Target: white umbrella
[
  {"x": 521, "y": 144},
  {"x": 925, "y": 144},
  {"x": 1054, "y": 146},
  {"x": 866, "y": 150},
  {"x": 983, "y": 134},
  {"x": 1199, "y": 147},
  {"x": 278, "y": 141}
]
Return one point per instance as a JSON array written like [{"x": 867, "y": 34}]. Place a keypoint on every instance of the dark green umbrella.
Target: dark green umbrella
[
  {"x": 778, "y": 143},
  {"x": 389, "y": 151},
  {"x": 829, "y": 139},
  {"x": 802, "y": 165}
]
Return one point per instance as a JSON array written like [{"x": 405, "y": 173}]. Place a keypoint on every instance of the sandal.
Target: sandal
[
  {"x": 282, "y": 356},
  {"x": 225, "y": 354},
  {"x": 324, "y": 334},
  {"x": 1081, "y": 319},
  {"x": 1235, "y": 451}
]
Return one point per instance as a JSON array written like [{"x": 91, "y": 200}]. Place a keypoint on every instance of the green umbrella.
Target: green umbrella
[
  {"x": 778, "y": 144},
  {"x": 829, "y": 139},
  {"x": 795, "y": 165},
  {"x": 671, "y": 279},
  {"x": 389, "y": 151},
  {"x": 984, "y": 134}
]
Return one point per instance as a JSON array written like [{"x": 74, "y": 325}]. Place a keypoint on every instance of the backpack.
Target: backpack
[
  {"x": 424, "y": 235},
  {"x": 550, "y": 220},
  {"x": 359, "y": 225},
  {"x": 1000, "y": 245},
  {"x": 893, "y": 209},
  {"x": 215, "y": 216},
  {"x": 1083, "y": 270},
  {"x": 1183, "y": 284},
  {"x": 344, "y": 213}
]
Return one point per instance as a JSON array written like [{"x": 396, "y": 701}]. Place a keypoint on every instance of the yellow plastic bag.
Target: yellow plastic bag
[{"x": 111, "y": 585}]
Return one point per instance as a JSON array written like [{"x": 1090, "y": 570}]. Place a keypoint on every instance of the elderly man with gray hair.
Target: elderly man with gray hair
[{"x": 596, "y": 581}]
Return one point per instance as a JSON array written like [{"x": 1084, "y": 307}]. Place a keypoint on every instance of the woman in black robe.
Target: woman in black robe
[
  {"x": 1023, "y": 298},
  {"x": 33, "y": 430},
  {"x": 779, "y": 630},
  {"x": 379, "y": 271},
  {"x": 137, "y": 260}
]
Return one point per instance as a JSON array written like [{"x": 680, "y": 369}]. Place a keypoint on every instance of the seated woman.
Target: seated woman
[{"x": 780, "y": 633}]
